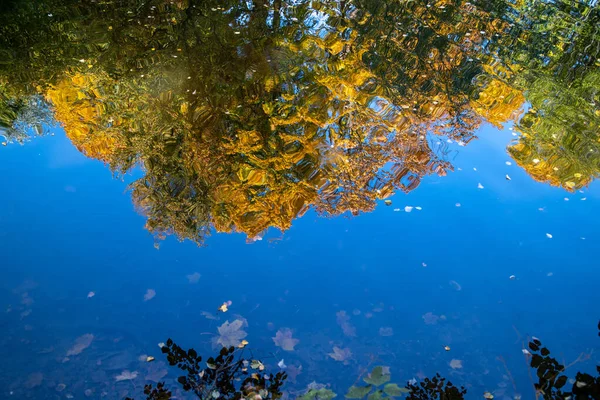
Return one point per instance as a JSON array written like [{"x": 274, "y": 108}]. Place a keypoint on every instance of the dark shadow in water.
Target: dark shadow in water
[{"x": 232, "y": 376}]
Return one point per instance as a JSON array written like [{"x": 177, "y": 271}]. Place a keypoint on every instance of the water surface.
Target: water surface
[{"x": 381, "y": 178}]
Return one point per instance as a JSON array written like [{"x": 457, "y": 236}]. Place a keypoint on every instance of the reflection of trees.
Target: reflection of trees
[
  {"x": 229, "y": 375},
  {"x": 232, "y": 376},
  {"x": 560, "y": 75},
  {"x": 244, "y": 115}
]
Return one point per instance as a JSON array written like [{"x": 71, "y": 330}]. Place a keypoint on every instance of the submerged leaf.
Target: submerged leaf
[
  {"x": 81, "y": 343},
  {"x": 283, "y": 338},
  {"x": 126, "y": 376},
  {"x": 150, "y": 293},
  {"x": 340, "y": 354},
  {"x": 231, "y": 334}
]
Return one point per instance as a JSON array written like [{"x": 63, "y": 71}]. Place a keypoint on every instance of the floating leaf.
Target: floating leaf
[
  {"x": 255, "y": 364},
  {"x": 318, "y": 394},
  {"x": 456, "y": 364},
  {"x": 225, "y": 306},
  {"x": 377, "y": 377},
  {"x": 377, "y": 395},
  {"x": 392, "y": 389},
  {"x": 358, "y": 392}
]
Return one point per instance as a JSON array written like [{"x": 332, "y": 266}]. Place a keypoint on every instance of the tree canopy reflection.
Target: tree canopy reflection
[{"x": 243, "y": 115}]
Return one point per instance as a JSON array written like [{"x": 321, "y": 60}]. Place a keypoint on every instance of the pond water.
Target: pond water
[{"x": 335, "y": 185}]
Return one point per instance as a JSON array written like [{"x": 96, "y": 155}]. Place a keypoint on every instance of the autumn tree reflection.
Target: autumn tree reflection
[{"x": 244, "y": 115}]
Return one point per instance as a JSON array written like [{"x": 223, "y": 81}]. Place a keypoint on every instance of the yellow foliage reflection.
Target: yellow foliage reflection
[{"x": 244, "y": 115}]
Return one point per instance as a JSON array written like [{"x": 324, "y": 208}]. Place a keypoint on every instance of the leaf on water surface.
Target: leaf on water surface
[
  {"x": 225, "y": 306},
  {"x": 386, "y": 331},
  {"x": 193, "y": 278},
  {"x": 90, "y": 295},
  {"x": 231, "y": 334},
  {"x": 378, "y": 376},
  {"x": 256, "y": 364},
  {"x": 341, "y": 354},
  {"x": 377, "y": 395},
  {"x": 318, "y": 394},
  {"x": 81, "y": 343},
  {"x": 456, "y": 364},
  {"x": 358, "y": 392},
  {"x": 126, "y": 376},
  {"x": 283, "y": 338},
  {"x": 393, "y": 390},
  {"x": 479, "y": 186},
  {"x": 150, "y": 293}
]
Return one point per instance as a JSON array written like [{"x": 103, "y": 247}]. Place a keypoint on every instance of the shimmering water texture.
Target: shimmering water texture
[{"x": 456, "y": 144}]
